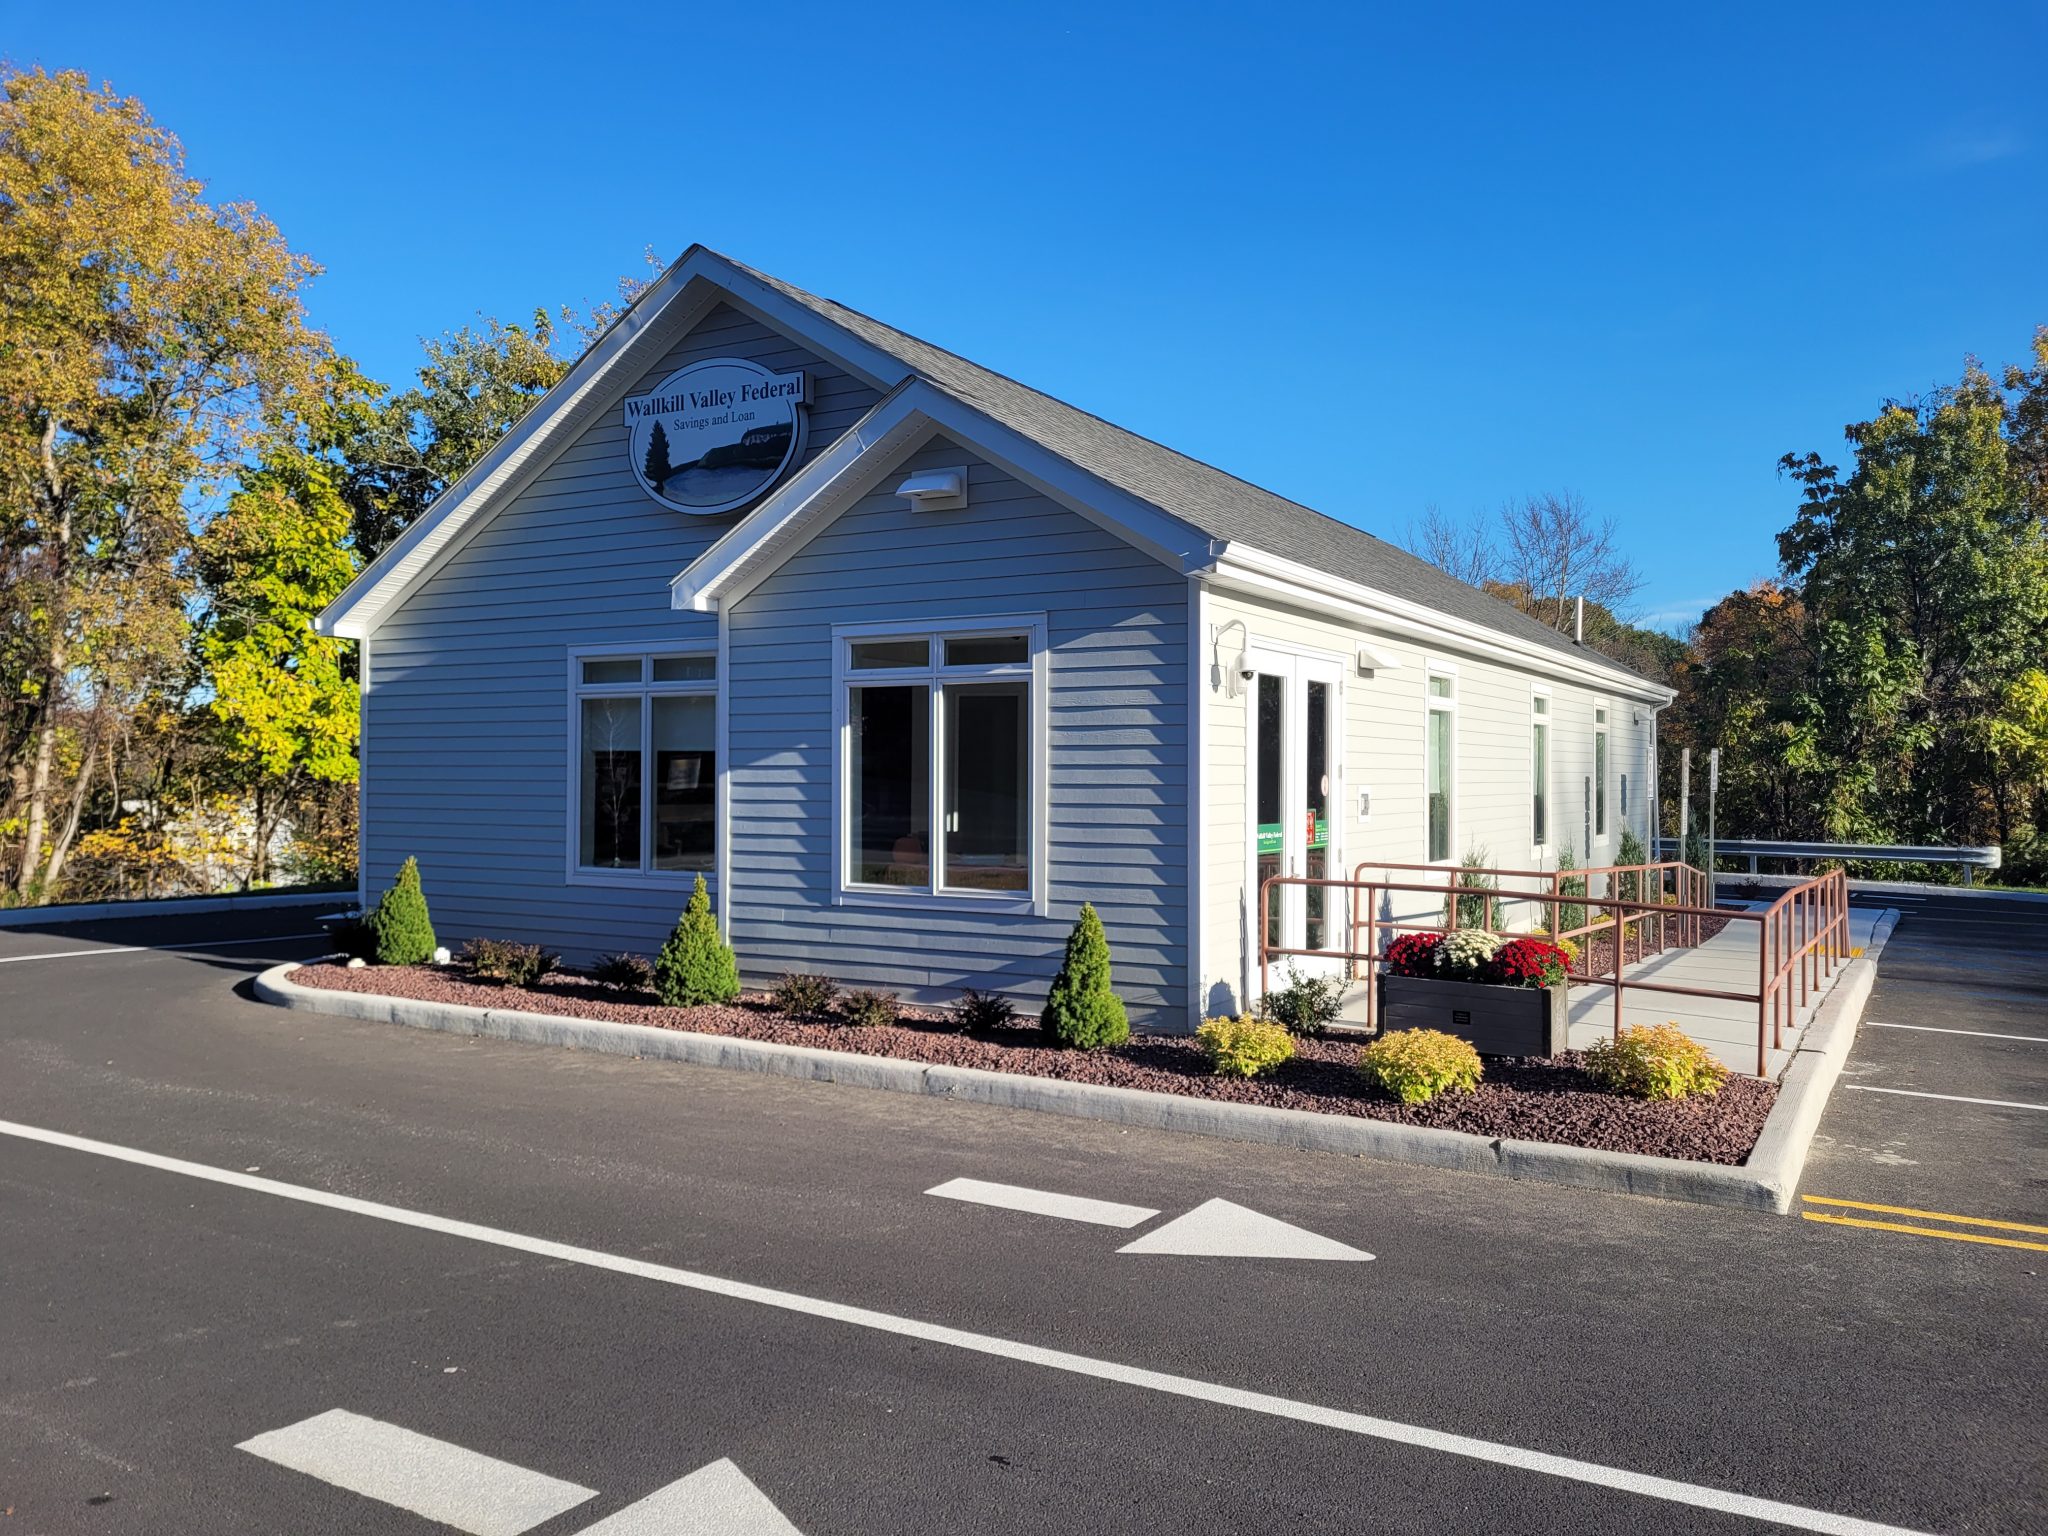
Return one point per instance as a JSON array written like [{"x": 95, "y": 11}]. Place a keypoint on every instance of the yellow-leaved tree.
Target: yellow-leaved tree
[{"x": 150, "y": 337}]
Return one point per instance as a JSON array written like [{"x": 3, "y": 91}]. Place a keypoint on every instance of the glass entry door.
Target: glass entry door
[{"x": 1294, "y": 801}]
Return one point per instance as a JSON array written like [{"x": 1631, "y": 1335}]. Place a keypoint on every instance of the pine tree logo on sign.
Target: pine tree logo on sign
[{"x": 713, "y": 436}]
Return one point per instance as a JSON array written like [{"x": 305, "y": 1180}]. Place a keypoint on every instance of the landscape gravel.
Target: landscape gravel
[{"x": 1531, "y": 1099}]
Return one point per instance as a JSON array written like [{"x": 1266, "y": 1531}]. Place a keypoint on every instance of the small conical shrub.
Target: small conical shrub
[
  {"x": 1080, "y": 1010},
  {"x": 403, "y": 931},
  {"x": 696, "y": 966}
]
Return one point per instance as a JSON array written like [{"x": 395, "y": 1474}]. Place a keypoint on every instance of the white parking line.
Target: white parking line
[
  {"x": 1492, "y": 1452},
  {"x": 162, "y": 949},
  {"x": 1935, "y": 1029},
  {"x": 1953, "y": 1098},
  {"x": 466, "y": 1489},
  {"x": 1043, "y": 1202}
]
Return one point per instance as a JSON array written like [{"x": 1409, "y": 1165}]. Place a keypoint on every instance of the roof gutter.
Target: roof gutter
[{"x": 1253, "y": 570}]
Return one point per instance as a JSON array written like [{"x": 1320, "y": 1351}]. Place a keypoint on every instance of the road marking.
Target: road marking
[
  {"x": 1493, "y": 1452},
  {"x": 1219, "y": 1229},
  {"x": 717, "y": 1500},
  {"x": 1040, "y": 1202},
  {"x": 1932, "y": 1029},
  {"x": 162, "y": 949},
  {"x": 1907, "y": 1210},
  {"x": 1953, "y": 1098},
  {"x": 472, "y": 1492},
  {"x": 1896, "y": 1226}
]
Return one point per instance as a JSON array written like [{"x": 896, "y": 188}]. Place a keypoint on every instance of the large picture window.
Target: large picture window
[
  {"x": 646, "y": 763},
  {"x": 941, "y": 757}
]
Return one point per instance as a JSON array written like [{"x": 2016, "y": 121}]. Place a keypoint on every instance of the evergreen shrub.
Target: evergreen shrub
[
  {"x": 404, "y": 932},
  {"x": 1081, "y": 1012},
  {"x": 696, "y": 966}
]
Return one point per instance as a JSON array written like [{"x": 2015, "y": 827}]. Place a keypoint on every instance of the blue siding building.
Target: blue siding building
[{"x": 909, "y": 661}]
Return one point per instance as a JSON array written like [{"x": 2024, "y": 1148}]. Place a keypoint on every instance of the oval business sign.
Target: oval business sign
[{"x": 713, "y": 436}]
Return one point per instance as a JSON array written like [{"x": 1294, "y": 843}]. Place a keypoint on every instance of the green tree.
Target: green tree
[
  {"x": 1081, "y": 1012},
  {"x": 398, "y": 452},
  {"x": 149, "y": 337},
  {"x": 285, "y": 697},
  {"x": 696, "y": 966},
  {"x": 1924, "y": 573},
  {"x": 400, "y": 924}
]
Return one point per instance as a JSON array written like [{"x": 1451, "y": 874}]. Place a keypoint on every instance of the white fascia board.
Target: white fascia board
[
  {"x": 781, "y": 525},
  {"x": 1254, "y": 571}
]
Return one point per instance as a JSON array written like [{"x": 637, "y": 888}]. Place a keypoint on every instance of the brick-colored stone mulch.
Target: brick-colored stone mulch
[{"x": 1529, "y": 1098}]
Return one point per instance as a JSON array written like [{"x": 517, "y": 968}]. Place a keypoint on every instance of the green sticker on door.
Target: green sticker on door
[{"x": 1318, "y": 834}]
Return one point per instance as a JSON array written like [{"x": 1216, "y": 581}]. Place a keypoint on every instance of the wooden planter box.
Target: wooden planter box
[{"x": 1498, "y": 1021}]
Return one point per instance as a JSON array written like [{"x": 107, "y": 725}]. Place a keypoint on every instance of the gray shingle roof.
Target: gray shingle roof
[{"x": 1204, "y": 497}]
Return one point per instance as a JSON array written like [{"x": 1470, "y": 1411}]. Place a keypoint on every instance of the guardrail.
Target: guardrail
[
  {"x": 1753, "y": 849},
  {"x": 1802, "y": 937},
  {"x": 1631, "y": 881}
]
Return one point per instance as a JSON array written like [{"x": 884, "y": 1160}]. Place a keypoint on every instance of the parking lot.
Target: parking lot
[
  {"x": 1942, "y": 1108},
  {"x": 306, "y": 1253}
]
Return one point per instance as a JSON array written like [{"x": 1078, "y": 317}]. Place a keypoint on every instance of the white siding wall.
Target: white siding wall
[{"x": 1384, "y": 723}]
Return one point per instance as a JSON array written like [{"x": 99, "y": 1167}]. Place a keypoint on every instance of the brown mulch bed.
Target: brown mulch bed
[{"x": 1529, "y": 1098}]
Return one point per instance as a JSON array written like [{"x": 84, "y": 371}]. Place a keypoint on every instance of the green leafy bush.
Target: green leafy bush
[
  {"x": 979, "y": 1011},
  {"x": 1654, "y": 1061},
  {"x": 866, "y": 1009},
  {"x": 405, "y": 934},
  {"x": 508, "y": 962},
  {"x": 624, "y": 972},
  {"x": 1632, "y": 852},
  {"x": 1081, "y": 1012},
  {"x": 1244, "y": 1047},
  {"x": 1307, "y": 1005},
  {"x": 1569, "y": 915},
  {"x": 696, "y": 966},
  {"x": 804, "y": 996},
  {"x": 1415, "y": 1065}
]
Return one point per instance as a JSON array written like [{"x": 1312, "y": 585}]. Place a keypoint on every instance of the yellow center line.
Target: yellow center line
[
  {"x": 1894, "y": 1226},
  {"x": 1907, "y": 1210}
]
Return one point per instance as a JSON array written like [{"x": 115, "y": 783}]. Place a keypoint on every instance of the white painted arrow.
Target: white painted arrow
[
  {"x": 1220, "y": 1230},
  {"x": 717, "y": 1500}
]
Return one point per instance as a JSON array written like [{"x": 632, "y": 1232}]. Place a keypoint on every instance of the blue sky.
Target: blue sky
[{"x": 1369, "y": 258}]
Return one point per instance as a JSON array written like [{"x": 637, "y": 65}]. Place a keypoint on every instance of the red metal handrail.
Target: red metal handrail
[{"x": 1802, "y": 936}]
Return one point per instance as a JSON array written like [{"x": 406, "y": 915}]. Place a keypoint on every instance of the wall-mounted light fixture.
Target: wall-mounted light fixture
[
  {"x": 1232, "y": 673},
  {"x": 935, "y": 490}
]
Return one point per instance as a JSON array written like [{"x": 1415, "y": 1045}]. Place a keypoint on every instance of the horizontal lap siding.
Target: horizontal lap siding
[
  {"x": 468, "y": 716},
  {"x": 1384, "y": 719},
  {"x": 1117, "y": 630}
]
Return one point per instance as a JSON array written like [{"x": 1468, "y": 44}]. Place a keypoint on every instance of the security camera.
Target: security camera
[{"x": 1244, "y": 666}]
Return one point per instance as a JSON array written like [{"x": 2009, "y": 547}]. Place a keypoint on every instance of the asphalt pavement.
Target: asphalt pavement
[{"x": 607, "y": 1274}]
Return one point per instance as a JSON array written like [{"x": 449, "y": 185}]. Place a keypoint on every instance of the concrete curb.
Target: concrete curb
[
  {"x": 1765, "y": 1183},
  {"x": 98, "y": 911}
]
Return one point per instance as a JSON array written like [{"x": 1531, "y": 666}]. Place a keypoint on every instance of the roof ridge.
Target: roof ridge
[{"x": 1114, "y": 426}]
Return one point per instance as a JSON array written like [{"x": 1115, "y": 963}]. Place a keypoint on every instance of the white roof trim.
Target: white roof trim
[
  {"x": 1253, "y": 571},
  {"x": 786, "y": 521}
]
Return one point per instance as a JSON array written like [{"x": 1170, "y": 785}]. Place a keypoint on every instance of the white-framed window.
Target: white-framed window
[
  {"x": 1539, "y": 765},
  {"x": 1600, "y": 771},
  {"x": 643, "y": 731},
  {"x": 942, "y": 762},
  {"x": 1440, "y": 764}
]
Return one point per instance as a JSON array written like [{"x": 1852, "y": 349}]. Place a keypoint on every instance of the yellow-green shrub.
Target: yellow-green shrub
[
  {"x": 1415, "y": 1065},
  {"x": 1654, "y": 1061},
  {"x": 1245, "y": 1047}
]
